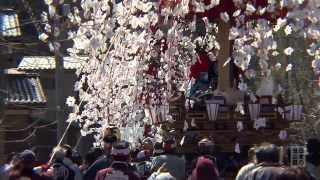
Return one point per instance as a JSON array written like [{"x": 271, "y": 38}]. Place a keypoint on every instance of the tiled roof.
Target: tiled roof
[
  {"x": 48, "y": 63},
  {"x": 9, "y": 24},
  {"x": 24, "y": 89}
]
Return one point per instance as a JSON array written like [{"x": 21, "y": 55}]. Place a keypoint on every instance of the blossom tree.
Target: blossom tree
[{"x": 139, "y": 52}]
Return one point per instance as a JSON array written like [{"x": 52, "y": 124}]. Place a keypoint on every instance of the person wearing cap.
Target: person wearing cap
[
  {"x": 23, "y": 169},
  {"x": 110, "y": 135},
  {"x": 120, "y": 167},
  {"x": 173, "y": 163}
]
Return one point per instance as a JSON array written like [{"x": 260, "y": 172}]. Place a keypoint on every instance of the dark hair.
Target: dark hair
[
  {"x": 293, "y": 174},
  {"x": 110, "y": 139},
  {"x": 93, "y": 155},
  {"x": 76, "y": 158},
  {"x": 68, "y": 150},
  {"x": 267, "y": 152}
]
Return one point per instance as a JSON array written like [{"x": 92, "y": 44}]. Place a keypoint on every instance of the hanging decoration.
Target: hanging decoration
[{"x": 140, "y": 52}]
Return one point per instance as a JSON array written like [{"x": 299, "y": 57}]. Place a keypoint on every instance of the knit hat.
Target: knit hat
[
  {"x": 27, "y": 156},
  {"x": 121, "y": 148}
]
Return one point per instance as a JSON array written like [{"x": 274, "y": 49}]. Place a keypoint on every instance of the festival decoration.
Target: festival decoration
[
  {"x": 212, "y": 110},
  {"x": 140, "y": 52}
]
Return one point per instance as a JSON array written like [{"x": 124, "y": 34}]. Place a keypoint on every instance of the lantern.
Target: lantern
[
  {"x": 293, "y": 112},
  {"x": 212, "y": 109}
]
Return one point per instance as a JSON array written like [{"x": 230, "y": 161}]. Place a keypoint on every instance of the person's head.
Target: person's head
[
  {"x": 58, "y": 154},
  {"x": 110, "y": 135},
  {"x": 67, "y": 150},
  {"x": 205, "y": 170},
  {"x": 27, "y": 159},
  {"x": 147, "y": 144},
  {"x": 206, "y": 146},
  {"x": 77, "y": 158},
  {"x": 293, "y": 174},
  {"x": 121, "y": 151},
  {"x": 268, "y": 153},
  {"x": 92, "y": 156},
  {"x": 169, "y": 146},
  {"x": 157, "y": 148}
]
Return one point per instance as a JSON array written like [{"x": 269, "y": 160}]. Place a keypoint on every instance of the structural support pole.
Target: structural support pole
[
  {"x": 224, "y": 54},
  {"x": 3, "y": 94},
  {"x": 59, "y": 71}
]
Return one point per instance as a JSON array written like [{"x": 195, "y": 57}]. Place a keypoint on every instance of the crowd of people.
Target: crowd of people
[{"x": 155, "y": 161}]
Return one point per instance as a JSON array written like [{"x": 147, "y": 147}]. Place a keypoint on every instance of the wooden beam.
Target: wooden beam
[{"x": 223, "y": 56}]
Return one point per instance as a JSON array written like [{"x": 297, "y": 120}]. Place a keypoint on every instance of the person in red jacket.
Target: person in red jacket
[
  {"x": 204, "y": 73},
  {"x": 120, "y": 167}
]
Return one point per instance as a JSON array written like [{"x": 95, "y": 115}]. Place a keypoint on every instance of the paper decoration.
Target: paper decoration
[
  {"x": 186, "y": 126},
  {"x": 182, "y": 140},
  {"x": 260, "y": 123},
  {"x": 254, "y": 110},
  {"x": 239, "y": 126},
  {"x": 239, "y": 108},
  {"x": 237, "y": 148},
  {"x": 193, "y": 123},
  {"x": 283, "y": 135},
  {"x": 132, "y": 134}
]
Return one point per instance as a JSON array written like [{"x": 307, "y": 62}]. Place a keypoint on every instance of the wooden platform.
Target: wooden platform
[{"x": 224, "y": 129}]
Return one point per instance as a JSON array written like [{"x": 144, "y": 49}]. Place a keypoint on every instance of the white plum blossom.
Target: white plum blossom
[
  {"x": 288, "y": 51},
  {"x": 289, "y": 67},
  {"x": 288, "y": 30},
  {"x": 70, "y": 101}
]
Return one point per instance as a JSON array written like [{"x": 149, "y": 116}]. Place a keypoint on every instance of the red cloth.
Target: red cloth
[
  {"x": 202, "y": 65},
  {"x": 205, "y": 170}
]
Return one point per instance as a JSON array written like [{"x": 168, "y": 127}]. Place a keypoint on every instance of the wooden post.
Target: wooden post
[
  {"x": 59, "y": 71},
  {"x": 2, "y": 114},
  {"x": 224, "y": 54}
]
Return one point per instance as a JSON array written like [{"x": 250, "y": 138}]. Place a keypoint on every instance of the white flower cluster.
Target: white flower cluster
[
  {"x": 139, "y": 55},
  {"x": 140, "y": 51}
]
